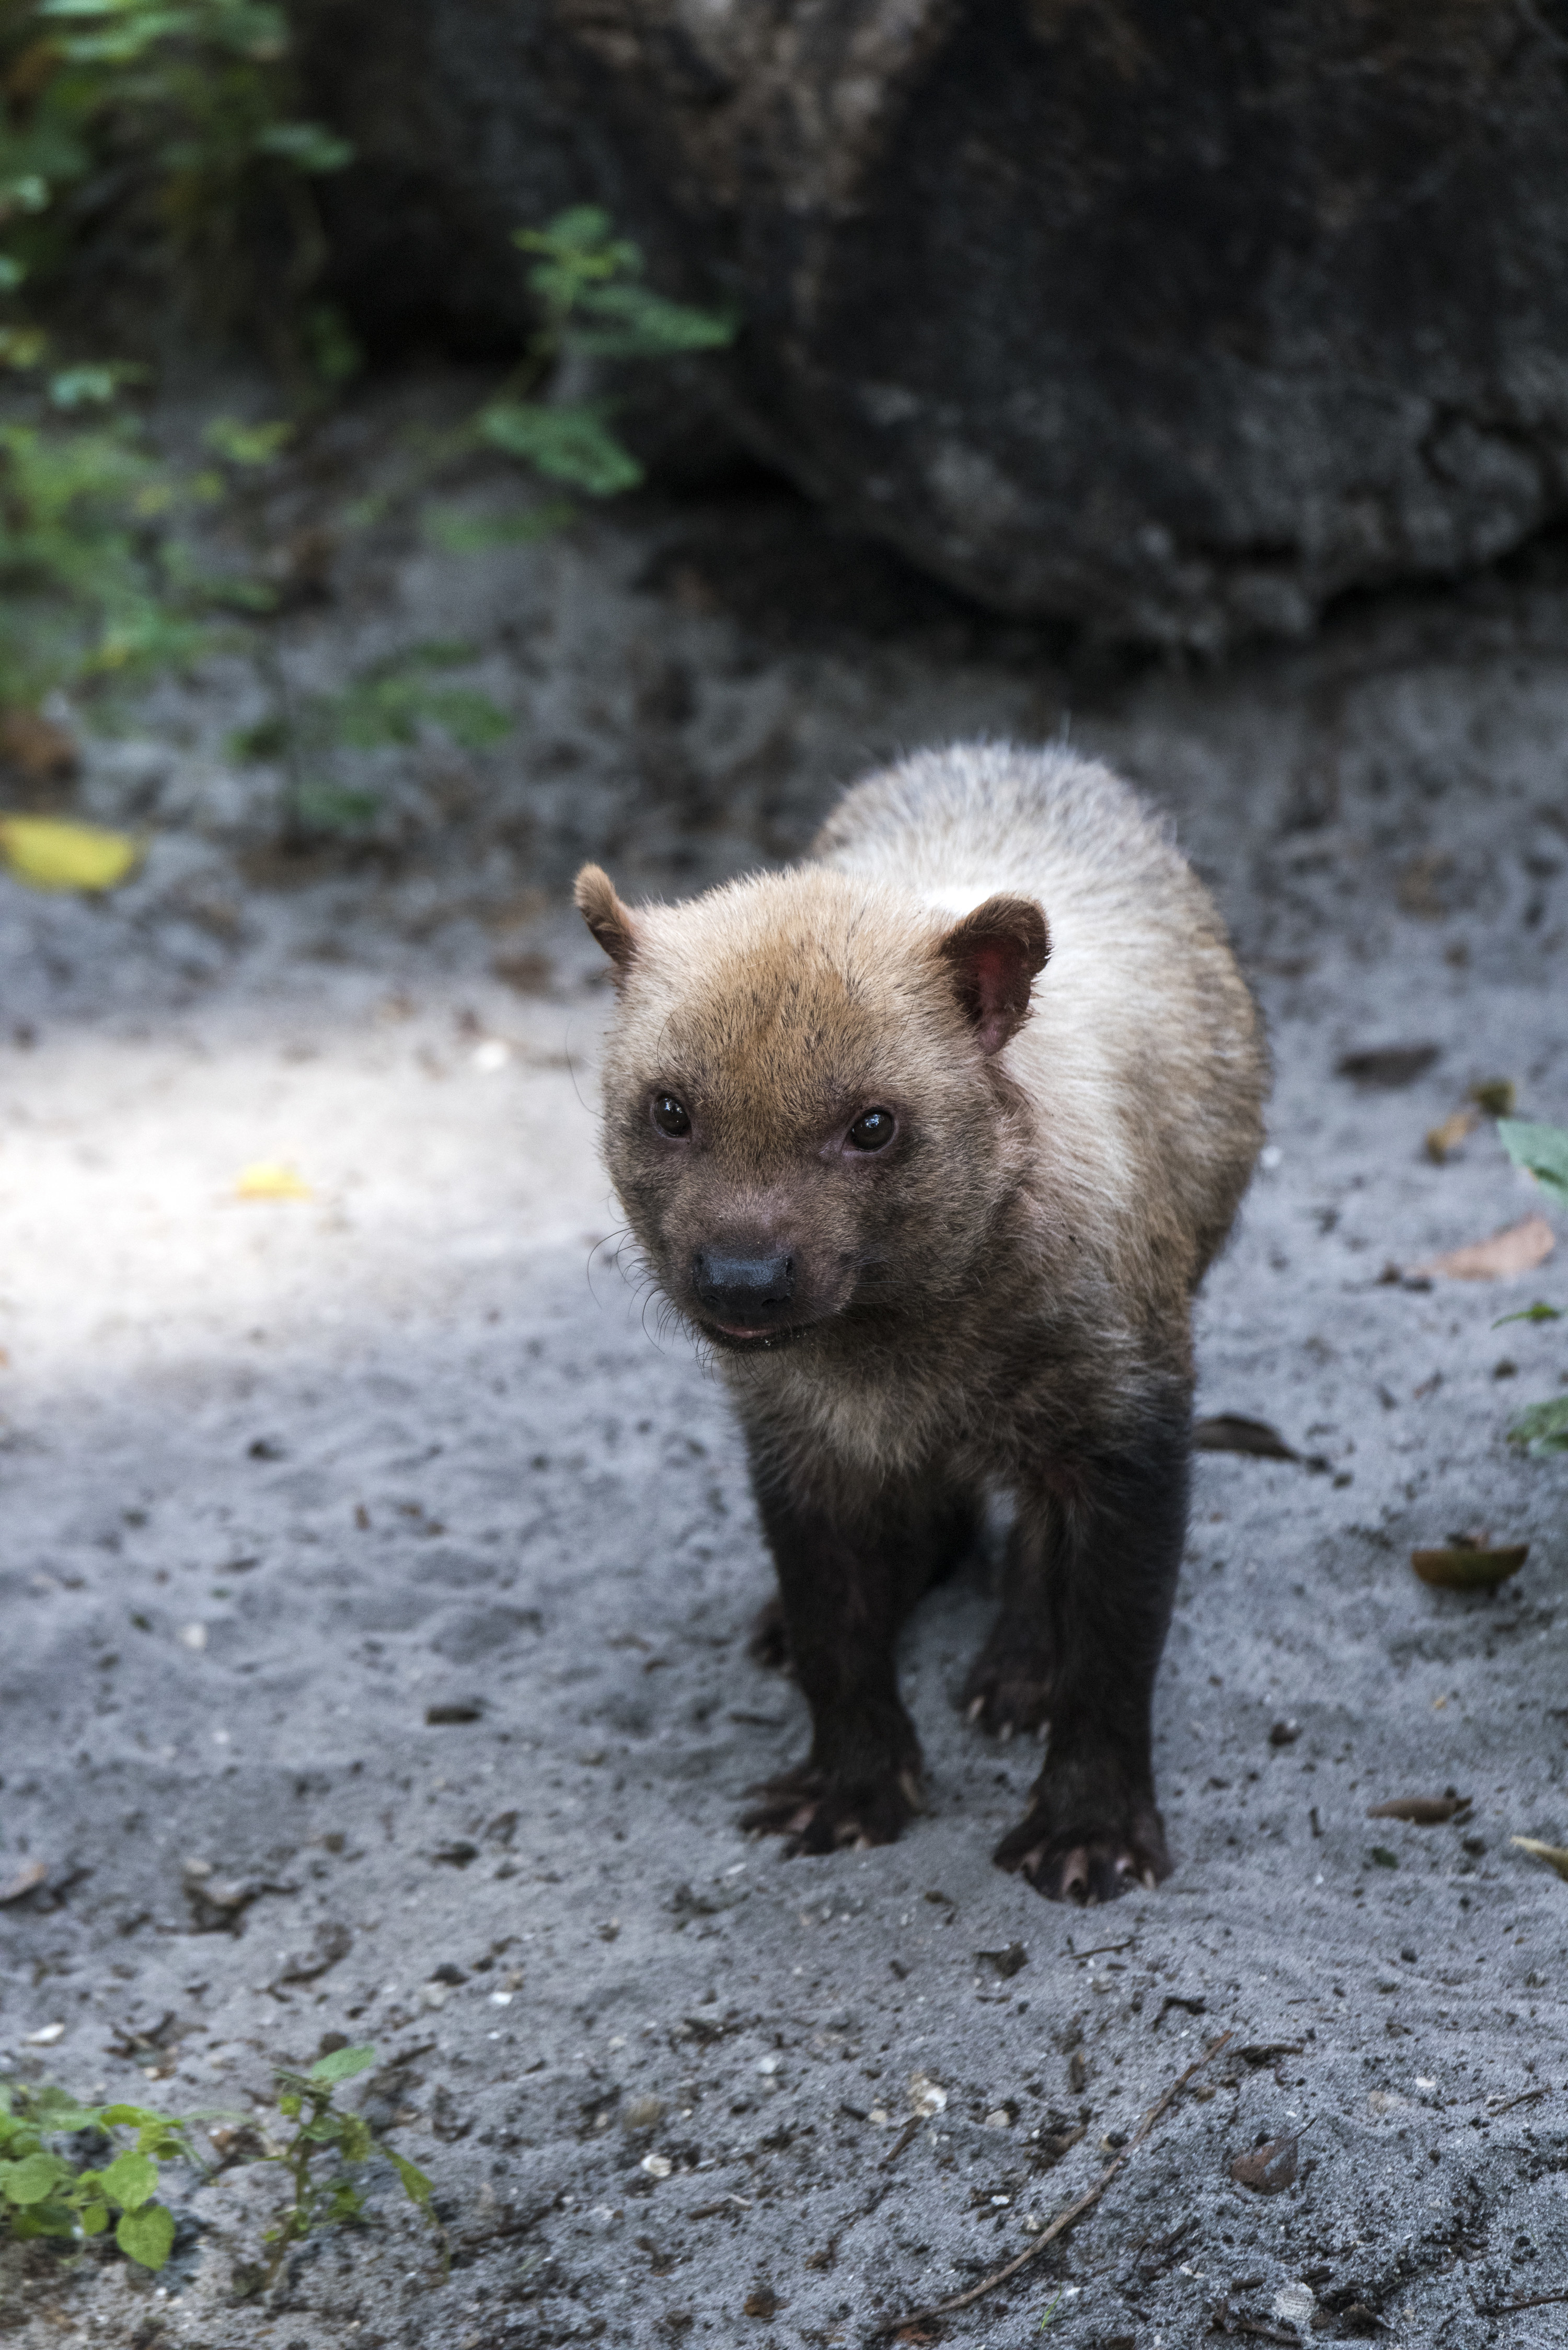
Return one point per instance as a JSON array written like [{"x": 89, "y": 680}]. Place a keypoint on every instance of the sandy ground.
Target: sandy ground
[{"x": 278, "y": 1477}]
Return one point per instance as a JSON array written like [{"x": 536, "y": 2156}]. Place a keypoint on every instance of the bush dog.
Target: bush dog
[{"x": 930, "y": 1140}]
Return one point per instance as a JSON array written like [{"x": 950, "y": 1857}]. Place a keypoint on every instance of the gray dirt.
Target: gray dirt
[{"x": 277, "y": 1477}]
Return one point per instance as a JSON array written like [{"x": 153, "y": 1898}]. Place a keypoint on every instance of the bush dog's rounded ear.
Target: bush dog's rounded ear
[
  {"x": 993, "y": 955},
  {"x": 607, "y": 917}
]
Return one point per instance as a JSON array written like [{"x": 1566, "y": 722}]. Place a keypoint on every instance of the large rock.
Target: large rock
[{"x": 1176, "y": 321}]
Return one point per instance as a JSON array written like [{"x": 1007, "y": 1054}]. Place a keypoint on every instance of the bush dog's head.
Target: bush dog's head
[{"x": 805, "y": 1116}]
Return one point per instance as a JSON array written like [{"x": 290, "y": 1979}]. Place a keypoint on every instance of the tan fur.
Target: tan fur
[{"x": 1069, "y": 1191}]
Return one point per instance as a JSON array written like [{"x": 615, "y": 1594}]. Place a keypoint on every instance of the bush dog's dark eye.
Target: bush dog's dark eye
[
  {"x": 872, "y": 1130},
  {"x": 670, "y": 1118}
]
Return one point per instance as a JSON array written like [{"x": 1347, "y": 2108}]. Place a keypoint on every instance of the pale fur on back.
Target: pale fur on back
[{"x": 1143, "y": 1055}]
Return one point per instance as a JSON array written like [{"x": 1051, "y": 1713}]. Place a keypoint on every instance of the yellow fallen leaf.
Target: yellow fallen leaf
[
  {"x": 271, "y": 1179},
  {"x": 47, "y": 855},
  {"x": 1518, "y": 1250},
  {"x": 1552, "y": 1853}
]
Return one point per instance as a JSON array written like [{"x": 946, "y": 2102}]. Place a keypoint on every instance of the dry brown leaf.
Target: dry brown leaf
[
  {"x": 1554, "y": 1855},
  {"x": 1387, "y": 1065},
  {"x": 1228, "y": 1431},
  {"x": 1518, "y": 1250},
  {"x": 1443, "y": 1140},
  {"x": 39, "y": 749},
  {"x": 1469, "y": 1566},
  {"x": 1422, "y": 1811},
  {"x": 1268, "y": 2169}
]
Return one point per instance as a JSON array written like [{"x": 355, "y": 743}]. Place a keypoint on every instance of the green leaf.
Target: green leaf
[
  {"x": 130, "y": 2180},
  {"x": 1543, "y": 1427},
  {"x": 472, "y": 718},
  {"x": 34, "y": 2179},
  {"x": 130, "y": 2117},
  {"x": 569, "y": 445},
  {"x": 347, "y": 2202},
  {"x": 461, "y": 534},
  {"x": 1384, "y": 1858},
  {"x": 342, "y": 2065},
  {"x": 1543, "y": 1149},
  {"x": 416, "y": 2186},
  {"x": 584, "y": 228},
  {"x": 640, "y": 324},
  {"x": 1536, "y": 1313},
  {"x": 146, "y": 2235},
  {"x": 246, "y": 444},
  {"x": 356, "y": 2141},
  {"x": 308, "y": 146},
  {"x": 54, "y": 2110},
  {"x": 46, "y": 2219},
  {"x": 92, "y": 386},
  {"x": 334, "y": 353}
]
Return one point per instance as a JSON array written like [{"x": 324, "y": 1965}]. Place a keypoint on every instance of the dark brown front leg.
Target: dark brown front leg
[
  {"x": 846, "y": 1584},
  {"x": 1106, "y": 1534},
  {"x": 1010, "y": 1683}
]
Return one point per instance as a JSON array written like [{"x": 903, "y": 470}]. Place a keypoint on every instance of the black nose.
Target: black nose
[{"x": 744, "y": 1289}]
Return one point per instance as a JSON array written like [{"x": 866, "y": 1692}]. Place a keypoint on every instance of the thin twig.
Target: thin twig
[
  {"x": 1064, "y": 2220},
  {"x": 910, "y": 2129},
  {"x": 1507, "y": 2308},
  {"x": 1525, "y": 2098}
]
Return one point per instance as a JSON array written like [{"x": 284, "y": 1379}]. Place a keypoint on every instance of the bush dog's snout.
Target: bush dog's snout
[{"x": 744, "y": 1291}]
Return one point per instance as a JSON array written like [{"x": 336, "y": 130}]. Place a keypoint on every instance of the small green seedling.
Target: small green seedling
[
  {"x": 45, "y": 2192},
  {"x": 1542, "y": 1427},
  {"x": 335, "y": 2142}
]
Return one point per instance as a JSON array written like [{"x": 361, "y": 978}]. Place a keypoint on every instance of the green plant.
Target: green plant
[
  {"x": 170, "y": 125},
  {"x": 595, "y": 303},
  {"x": 1541, "y": 1427},
  {"x": 47, "y": 2192},
  {"x": 390, "y": 702},
  {"x": 339, "y": 2143},
  {"x": 98, "y": 576},
  {"x": 590, "y": 288}
]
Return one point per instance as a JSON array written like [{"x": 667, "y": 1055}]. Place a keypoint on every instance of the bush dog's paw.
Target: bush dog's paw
[
  {"x": 1074, "y": 1861},
  {"x": 819, "y": 1815},
  {"x": 1008, "y": 1689}
]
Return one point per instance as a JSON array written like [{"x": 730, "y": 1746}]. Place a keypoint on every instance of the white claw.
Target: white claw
[
  {"x": 976, "y": 1709},
  {"x": 1149, "y": 1880},
  {"x": 1004, "y": 1733}
]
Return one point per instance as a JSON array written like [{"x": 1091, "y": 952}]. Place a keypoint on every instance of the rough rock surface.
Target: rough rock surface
[
  {"x": 278, "y": 1478},
  {"x": 1176, "y": 323}
]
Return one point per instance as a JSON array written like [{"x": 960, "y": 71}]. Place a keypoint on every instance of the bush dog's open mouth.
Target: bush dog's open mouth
[{"x": 738, "y": 1336}]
